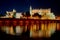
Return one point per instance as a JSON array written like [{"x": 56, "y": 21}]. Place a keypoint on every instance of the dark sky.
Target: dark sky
[{"x": 23, "y": 5}]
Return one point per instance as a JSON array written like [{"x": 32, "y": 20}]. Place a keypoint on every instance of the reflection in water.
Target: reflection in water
[
  {"x": 10, "y": 30},
  {"x": 19, "y": 30},
  {"x": 46, "y": 30},
  {"x": 41, "y": 30}
]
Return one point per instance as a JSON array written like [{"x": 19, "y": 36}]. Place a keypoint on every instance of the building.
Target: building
[
  {"x": 10, "y": 14},
  {"x": 18, "y": 15},
  {"x": 45, "y": 13}
]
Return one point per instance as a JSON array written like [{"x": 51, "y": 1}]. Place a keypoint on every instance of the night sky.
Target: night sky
[{"x": 23, "y": 5}]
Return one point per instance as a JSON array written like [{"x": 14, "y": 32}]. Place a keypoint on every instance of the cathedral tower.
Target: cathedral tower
[{"x": 31, "y": 11}]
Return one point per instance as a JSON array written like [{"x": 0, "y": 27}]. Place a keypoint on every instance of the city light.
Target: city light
[{"x": 40, "y": 23}]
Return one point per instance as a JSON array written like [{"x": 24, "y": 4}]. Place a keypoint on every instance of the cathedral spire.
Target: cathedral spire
[{"x": 30, "y": 10}]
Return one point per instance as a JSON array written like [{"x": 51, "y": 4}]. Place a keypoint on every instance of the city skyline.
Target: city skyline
[
  {"x": 29, "y": 19},
  {"x": 22, "y": 6}
]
